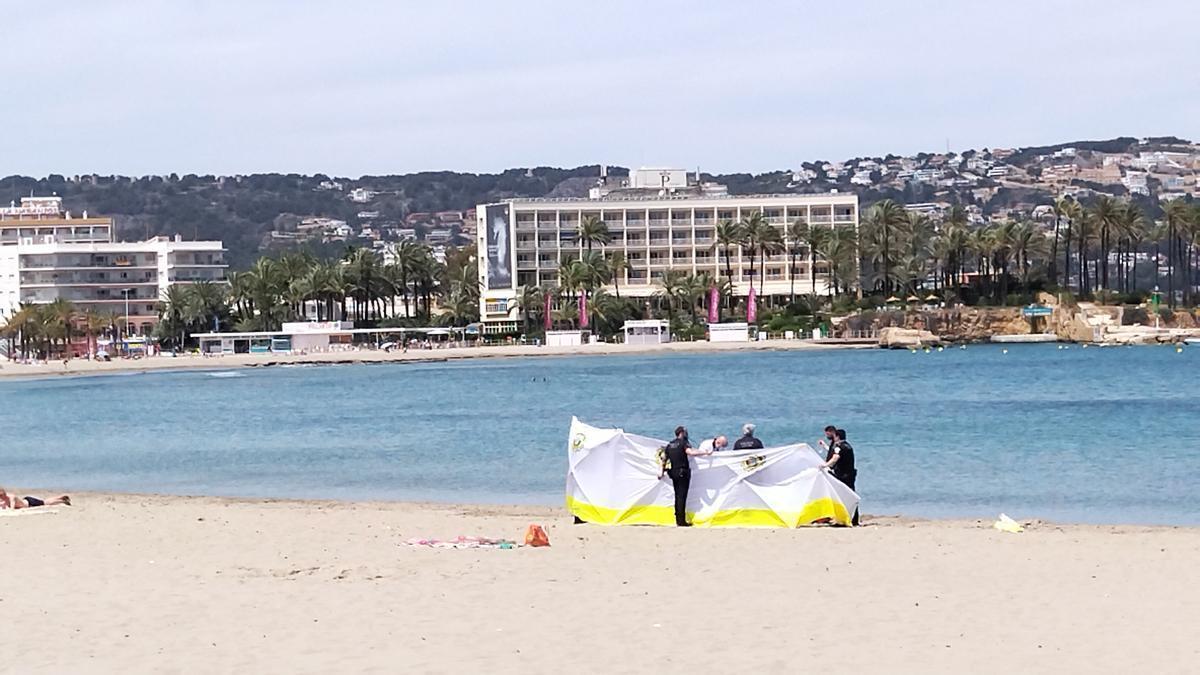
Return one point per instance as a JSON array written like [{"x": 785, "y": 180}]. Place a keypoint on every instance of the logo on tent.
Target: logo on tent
[
  {"x": 753, "y": 462},
  {"x": 577, "y": 442},
  {"x": 662, "y": 456}
]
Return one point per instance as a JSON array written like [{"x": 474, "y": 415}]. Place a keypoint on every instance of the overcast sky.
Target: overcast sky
[{"x": 349, "y": 88}]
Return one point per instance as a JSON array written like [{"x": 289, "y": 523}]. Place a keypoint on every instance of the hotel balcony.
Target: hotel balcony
[
  {"x": 659, "y": 222},
  {"x": 526, "y": 225},
  {"x": 635, "y": 222},
  {"x": 659, "y": 241},
  {"x": 680, "y": 241},
  {"x": 548, "y": 264}
]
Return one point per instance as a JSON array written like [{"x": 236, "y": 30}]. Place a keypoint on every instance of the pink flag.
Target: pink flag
[
  {"x": 751, "y": 308},
  {"x": 583, "y": 313},
  {"x": 714, "y": 298},
  {"x": 548, "y": 311}
]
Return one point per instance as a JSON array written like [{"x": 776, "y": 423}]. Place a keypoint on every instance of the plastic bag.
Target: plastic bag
[{"x": 536, "y": 536}]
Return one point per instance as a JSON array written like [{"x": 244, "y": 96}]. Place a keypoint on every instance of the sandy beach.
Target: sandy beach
[
  {"x": 174, "y": 584},
  {"x": 367, "y": 356}
]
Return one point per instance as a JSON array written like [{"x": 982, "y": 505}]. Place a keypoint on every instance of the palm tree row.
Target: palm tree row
[
  {"x": 43, "y": 331},
  {"x": 359, "y": 286}
]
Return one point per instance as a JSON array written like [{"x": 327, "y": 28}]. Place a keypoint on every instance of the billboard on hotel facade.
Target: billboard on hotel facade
[{"x": 499, "y": 247}]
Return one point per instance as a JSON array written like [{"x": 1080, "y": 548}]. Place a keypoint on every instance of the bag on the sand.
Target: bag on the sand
[{"x": 536, "y": 536}]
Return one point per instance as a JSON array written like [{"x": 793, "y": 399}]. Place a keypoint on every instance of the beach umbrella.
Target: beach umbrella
[
  {"x": 583, "y": 311},
  {"x": 932, "y": 298},
  {"x": 892, "y": 299},
  {"x": 751, "y": 308},
  {"x": 713, "y": 299},
  {"x": 913, "y": 298},
  {"x": 547, "y": 310}
]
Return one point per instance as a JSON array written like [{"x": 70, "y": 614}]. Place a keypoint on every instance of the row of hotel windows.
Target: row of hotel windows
[
  {"x": 702, "y": 257},
  {"x": 637, "y": 275},
  {"x": 638, "y": 218}
]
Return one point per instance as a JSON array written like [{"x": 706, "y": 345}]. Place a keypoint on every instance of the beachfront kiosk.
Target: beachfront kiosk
[
  {"x": 729, "y": 332},
  {"x": 647, "y": 332},
  {"x": 325, "y": 336}
]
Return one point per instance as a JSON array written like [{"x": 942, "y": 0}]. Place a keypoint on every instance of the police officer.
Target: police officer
[
  {"x": 677, "y": 465},
  {"x": 840, "y": 461}
]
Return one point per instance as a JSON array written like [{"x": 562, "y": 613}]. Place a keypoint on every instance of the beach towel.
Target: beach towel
[
  {"x": 463, "y": 542},
  {"x": 26, "y": 512}
]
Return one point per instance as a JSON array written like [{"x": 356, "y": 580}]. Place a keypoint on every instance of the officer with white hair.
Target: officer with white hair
[{"x": 747, "y": 441}]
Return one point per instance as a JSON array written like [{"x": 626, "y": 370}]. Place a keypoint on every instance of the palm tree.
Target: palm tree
[
  {"x": 93, "y": 324},
  {"x": 1070, "y": 210},
  {"x": 751, "y": 228},
  {"x": 573, "y": 276},
  {"x": 814, "y": 239},
  {"x": 60, "y": 315},
  {"x": 1131, "y": 225},
  {"x": 1105, "y": 211},
  {"x": 674, "y": 288},
  {"x": 770, "y": 240},
  {"x": 729, "y": 235},
  {"x": 592, "y": 230},
  {"x": 530, "y": 299},
  {"x": 884, "y": 217},
  {"x": 618, "y": 264},
  {"x": 1177, "y": 215}
]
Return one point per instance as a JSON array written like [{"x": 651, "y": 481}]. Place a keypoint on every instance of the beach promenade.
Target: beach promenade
[
  {"x": 86, "y": 367},
  {"x": 164, "y": 584}
]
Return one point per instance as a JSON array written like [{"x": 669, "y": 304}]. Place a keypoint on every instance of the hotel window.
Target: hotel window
[{"x": 495, "y": 306}]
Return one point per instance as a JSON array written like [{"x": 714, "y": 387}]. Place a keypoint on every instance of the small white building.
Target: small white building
[
  {"x": 647, "y": 332},
  {"x": 565, "y": 338},
  {"x": 729, "y": 332}
]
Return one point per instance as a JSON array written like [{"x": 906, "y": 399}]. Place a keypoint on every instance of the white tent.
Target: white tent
[{"x": 613, "y": 479}]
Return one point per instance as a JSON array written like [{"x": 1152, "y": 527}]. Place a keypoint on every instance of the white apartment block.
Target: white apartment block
[
  {"x": 46, "y": 255},
  {"x": 523, "y": 241}
]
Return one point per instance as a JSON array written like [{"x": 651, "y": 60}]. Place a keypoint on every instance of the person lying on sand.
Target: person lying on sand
[{"x": 8, "y": 501}]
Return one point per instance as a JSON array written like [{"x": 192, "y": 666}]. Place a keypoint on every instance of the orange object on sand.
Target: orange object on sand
[{"x": 536, "y": 536}]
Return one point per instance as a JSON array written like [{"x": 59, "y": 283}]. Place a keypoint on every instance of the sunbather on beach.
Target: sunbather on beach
[{"x": 8, "y": 501}]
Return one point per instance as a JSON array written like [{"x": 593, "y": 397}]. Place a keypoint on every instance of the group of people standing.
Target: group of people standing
[{"x": 676, "y": 463}]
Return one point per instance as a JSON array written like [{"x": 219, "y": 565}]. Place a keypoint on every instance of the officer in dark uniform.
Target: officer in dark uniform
[
  {"x": 677, "y": 465},
  {"x": 840, "y": 461}
]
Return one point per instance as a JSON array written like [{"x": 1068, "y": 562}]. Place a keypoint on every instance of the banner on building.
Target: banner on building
[{"x": 499, "y": 247}]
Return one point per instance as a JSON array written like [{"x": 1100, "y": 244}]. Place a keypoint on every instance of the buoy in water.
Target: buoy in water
[
  {"x": 1005, "y": 351},
  {"x": 940, "y": 348}
]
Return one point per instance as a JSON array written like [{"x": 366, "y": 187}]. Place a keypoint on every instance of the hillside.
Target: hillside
[{"x": 264, "y": 212}]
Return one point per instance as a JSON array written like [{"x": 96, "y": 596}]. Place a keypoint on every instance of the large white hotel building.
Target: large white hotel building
[
  {"x": 661, "y": 219},
  {"x": 46, "y": 254}
]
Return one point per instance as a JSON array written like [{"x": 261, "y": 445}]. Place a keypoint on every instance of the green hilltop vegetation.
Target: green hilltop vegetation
[{"x": 245, "y": 211}]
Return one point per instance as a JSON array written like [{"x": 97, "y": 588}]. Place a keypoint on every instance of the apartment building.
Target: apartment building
[
  {"x": 45, "y": 255},
  {"x": 523, "y": 241}
]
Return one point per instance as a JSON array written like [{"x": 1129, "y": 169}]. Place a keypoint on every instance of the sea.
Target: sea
[{"x": 1061, "y": 433}]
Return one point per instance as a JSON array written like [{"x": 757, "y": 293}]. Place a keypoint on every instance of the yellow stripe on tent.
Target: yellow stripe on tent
[{"x": 813, "y": 511}]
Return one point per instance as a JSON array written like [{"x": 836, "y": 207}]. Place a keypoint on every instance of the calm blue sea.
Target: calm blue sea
[{"x": 1088, "y": 435}]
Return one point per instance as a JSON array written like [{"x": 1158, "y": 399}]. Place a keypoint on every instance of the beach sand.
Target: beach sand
[
  {"x": 86, "y": 367},
  {"x": 174, "y": 584}
]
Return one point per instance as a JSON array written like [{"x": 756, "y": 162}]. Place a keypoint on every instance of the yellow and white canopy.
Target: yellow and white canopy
[{"x": 613, "y": 480}]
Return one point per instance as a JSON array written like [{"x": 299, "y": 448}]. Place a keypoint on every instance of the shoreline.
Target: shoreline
[
  {"x": 77, "y": 367},
  {"x": 319, "y": 586},
  {"x": 552, "y": 511}
]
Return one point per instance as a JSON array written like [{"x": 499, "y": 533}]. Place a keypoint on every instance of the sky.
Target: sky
[{"x": 349, "y": 88}]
